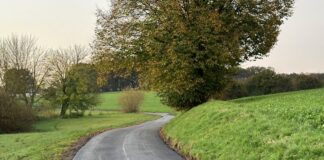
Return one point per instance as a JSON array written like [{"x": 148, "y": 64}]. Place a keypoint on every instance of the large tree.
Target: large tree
[
  {"x": 185, "y": 49},
  {"x": 73, "y": 84}
]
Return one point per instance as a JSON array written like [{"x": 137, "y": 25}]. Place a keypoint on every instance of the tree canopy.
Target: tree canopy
[
  {"x": 19, "y": 83},
  {"x": 185, "y": 49}
]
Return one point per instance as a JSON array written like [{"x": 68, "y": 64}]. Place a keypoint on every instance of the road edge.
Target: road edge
[
  {"x": 175, "y": 146},
  {"x": 76, "y": 146},
  {"x": 73, "y": 149}
]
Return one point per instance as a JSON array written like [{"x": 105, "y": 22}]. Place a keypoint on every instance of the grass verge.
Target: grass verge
[{"x": 280, "y": 126}]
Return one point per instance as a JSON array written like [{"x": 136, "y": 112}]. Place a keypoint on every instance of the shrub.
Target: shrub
[
  {"x": 44, "y": 110},
  {"x": 130, "y": 101},
  {"x": 14, "y": 117}
]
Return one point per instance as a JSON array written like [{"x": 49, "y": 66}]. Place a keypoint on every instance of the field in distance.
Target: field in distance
[{"x": 151, "y": 103}]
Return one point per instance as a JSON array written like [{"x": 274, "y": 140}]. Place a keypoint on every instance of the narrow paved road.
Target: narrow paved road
[{"x": 141, "y": 142}]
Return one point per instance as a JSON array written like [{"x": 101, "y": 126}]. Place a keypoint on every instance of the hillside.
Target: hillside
[{"x": 280, "y": 126}]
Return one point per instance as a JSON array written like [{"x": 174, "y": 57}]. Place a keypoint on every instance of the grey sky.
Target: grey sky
[
  {"x": 61, "y": 23},
  {"x": 301, "y": 43},
  {"x": 55, "y": 23}
]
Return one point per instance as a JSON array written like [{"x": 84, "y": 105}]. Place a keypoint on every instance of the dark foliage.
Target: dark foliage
[
  {"x": 19, "y": 83},
  {"x": 302, "y": 82},
  {"x": 14, "y": 116},
  {"x": 233, "y": 90},
  {"x": 116, "y": 82},
  {"x": 260, "y": 81}
]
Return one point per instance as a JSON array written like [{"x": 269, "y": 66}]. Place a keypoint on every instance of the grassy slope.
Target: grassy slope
[
  {"x": 151, "y": 103},
  {"x": 281, "y": 126},
  {"x": 56, "y": 135}
]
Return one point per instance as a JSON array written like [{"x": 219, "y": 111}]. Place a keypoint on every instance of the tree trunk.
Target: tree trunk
[{"x": 65, "y": 106}]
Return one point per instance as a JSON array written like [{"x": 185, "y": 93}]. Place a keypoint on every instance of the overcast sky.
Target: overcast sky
[{"x": 61, "y": 23}]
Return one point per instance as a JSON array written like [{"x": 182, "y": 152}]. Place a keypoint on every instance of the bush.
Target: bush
[
  {"x": 14, "y": 117},
  {"x": 45, "y": 110},
  {"x": 130, "y": 101}
]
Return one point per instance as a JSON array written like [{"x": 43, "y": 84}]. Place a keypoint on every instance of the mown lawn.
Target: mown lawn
[
  {"x": 53, "y": 137},
  {"x": 280, "y": 126},
  {"x": 151, "y": 103}
]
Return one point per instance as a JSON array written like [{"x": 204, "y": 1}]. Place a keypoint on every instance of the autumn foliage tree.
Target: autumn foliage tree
[{"x": 185, "y": 49}]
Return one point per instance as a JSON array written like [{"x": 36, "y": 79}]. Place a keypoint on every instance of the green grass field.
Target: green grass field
[
  {"x": 281, "y": 126},
  {"x": 53, "y": 137},
  {"x": 151, "y": 103}
]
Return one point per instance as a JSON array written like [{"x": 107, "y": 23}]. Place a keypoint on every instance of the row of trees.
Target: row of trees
[
  {"x": 116, "y": 82},
  {"x": 30, "y": 74},
  {"x": 259, "y": 81}
]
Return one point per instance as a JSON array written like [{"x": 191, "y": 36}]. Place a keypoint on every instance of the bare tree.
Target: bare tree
[
  {"x": 60, "y": 63},
  {"x": 22, "y": 53},
  {"x": 62, "y": 59}
]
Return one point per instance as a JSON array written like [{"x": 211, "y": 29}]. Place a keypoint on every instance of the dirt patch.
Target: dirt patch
[
  {"x": 175, "y": 146},
  {"x": 76, "y": 146}
]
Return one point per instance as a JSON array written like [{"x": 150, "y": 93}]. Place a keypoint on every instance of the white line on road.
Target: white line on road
[{"x": 124, "y": 150}]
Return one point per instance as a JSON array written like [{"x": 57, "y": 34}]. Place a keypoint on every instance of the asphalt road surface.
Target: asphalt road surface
[{"x": 140, "y": 142}]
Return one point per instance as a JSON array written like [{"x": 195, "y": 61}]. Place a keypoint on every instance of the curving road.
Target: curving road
[{"x": 141, "y": 142}]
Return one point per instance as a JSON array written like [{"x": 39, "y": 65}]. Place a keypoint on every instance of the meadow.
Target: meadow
[
  {"x": 52, "y": 137},
  {"x": 151, "y": 103},
  {"x": 279, "y": 126}
]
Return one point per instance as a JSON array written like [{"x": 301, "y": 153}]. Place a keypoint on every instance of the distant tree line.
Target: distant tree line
[
  {"x": 251, "y": 81},
  {"x": 260, "y": 81},
  {"x": 115, "y": 82}
]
